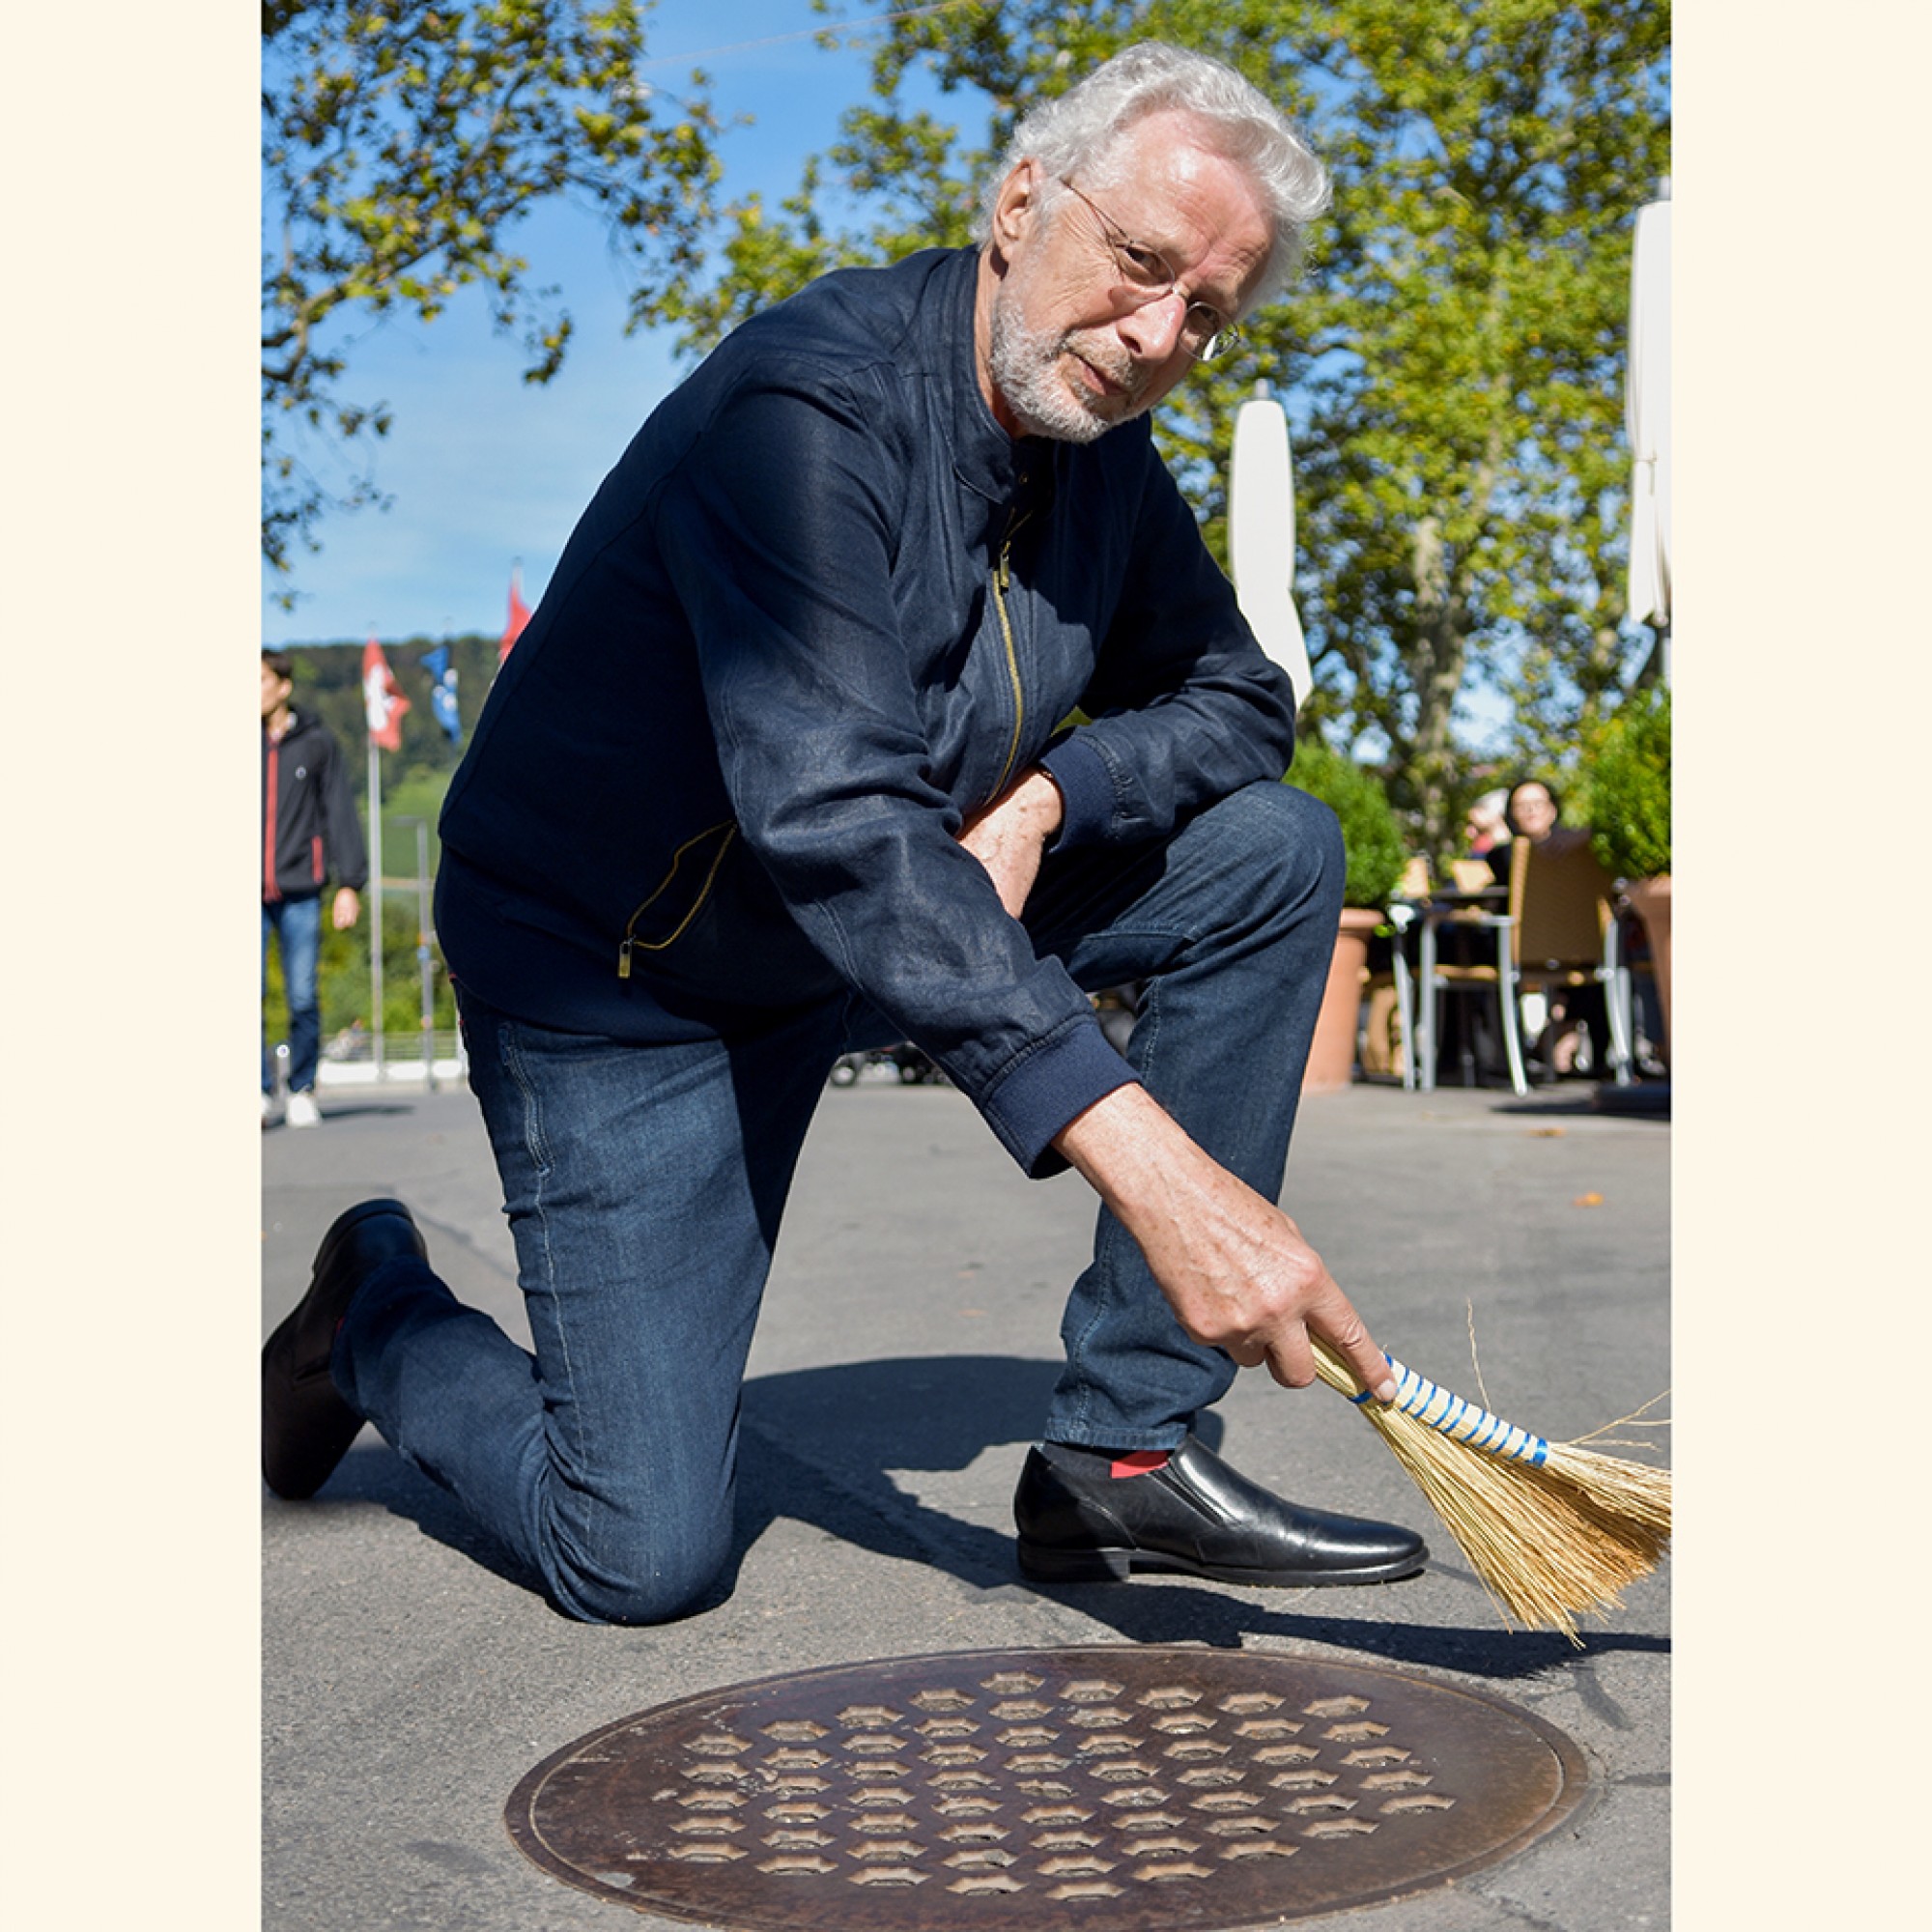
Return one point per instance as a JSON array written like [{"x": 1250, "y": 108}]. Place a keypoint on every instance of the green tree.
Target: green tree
[
  {"x": 403, "y": 145},
  {"x": 1462, "y": 471},
  {"x": 1453, "y": 358}
]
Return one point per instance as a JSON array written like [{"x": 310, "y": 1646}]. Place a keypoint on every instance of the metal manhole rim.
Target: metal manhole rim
[{"x": 1578, "y": 1787}]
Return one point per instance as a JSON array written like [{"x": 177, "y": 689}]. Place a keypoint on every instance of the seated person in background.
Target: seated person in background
[
  {"x": 1532, "y": 812},
  {"x": 1486, "y": 824}
]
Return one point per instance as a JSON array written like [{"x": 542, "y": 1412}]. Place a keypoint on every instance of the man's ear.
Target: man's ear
[{"x": 1016, "y": 207}]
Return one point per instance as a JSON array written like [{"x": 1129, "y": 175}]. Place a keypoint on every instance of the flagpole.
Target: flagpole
[
  {"x": 383, "y": 704},
  {"x": 376, "y": 904},
  {"x": 423, "y": 966}
]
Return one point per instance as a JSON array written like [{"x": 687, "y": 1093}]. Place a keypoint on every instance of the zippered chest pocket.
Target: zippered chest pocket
[{"x": 698, "y": 859}]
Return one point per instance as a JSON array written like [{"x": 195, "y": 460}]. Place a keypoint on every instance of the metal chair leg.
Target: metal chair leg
[
  {"x": 1506, "y": 986},
  {"x": 1425, "y": 1025},
  {"x": 1405, "y": 1007},
  {"x": 1615, "y": 978}
]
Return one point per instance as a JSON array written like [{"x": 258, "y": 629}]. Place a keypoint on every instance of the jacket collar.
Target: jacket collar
[{"x": 988, "y": 461}]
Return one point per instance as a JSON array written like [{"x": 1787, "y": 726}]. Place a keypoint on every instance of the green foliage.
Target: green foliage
[
  {"x": 1628, "y": 788},
  {"x": 343, "y": 980},
  {"x": 1371, "y": 832},
  {"x": 1451, "y": 361},
  {"x": 1463, "y": 470},
  {"x": 418, "y": 796},
  {"x": 402, "y": 145}
]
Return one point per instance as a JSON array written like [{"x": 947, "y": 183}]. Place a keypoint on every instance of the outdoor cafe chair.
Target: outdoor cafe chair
[
  {"x": 1397, "y": 986},
  {"x": 1468, "y": 910},
  {"x": 1620, "y": 968},
  {"x": 1563, "y": 902},
  {"x": 1558, "y": 932}
]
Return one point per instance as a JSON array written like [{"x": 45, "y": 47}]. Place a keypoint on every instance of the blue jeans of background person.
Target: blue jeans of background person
[
  {"x": 644, "y": 1187},
  {"x": 297, "y": 925}
]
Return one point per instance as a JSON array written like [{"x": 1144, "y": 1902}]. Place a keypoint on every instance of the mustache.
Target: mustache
[{"x": 1112, "y": 361}]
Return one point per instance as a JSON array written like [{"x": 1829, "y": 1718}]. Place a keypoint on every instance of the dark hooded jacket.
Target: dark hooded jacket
[
  {"x": 824, "y": 608},
  {"x": 309, "y": 829}
]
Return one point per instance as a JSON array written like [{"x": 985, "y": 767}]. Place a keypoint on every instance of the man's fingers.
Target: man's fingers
[
  {"x": 1290, "y": 1360},
  {"x": 1350, "y": 1339}
]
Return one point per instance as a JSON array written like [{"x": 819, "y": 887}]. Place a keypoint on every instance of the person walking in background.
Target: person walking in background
[{"x": 309, "y": 836}]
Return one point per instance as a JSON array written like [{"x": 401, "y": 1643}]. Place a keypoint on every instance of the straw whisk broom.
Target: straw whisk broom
[{"x": 1552, "y": 1529}]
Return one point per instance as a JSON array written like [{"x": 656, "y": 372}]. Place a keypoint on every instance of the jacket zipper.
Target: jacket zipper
[
  {"x": 271, "y": 813},
  {"x": 1003, "y": 577},
  {"x": 630, "y": 941}
]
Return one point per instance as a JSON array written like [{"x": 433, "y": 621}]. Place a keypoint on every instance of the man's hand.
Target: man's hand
[
  {"x": 347, "y": 909},
  {"x": 1009, "y": 835},
  {"x": 1232, "y": 1265}
]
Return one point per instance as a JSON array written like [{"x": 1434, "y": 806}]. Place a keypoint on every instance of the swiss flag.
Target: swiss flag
[
  {"x": 520, "y": 615},
  {"x": 384, "y": 702}
]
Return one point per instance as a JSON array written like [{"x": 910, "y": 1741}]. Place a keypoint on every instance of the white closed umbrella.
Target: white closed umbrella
[
  {"x": 1647, "y": 416},
  {"x": 1261, "y": 536}
]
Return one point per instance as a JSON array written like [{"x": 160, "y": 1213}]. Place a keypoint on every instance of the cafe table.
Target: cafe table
[{"x": 1483, "y": 911}]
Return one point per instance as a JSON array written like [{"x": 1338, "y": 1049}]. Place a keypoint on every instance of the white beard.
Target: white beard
[{"x": 1025, "y": 363}]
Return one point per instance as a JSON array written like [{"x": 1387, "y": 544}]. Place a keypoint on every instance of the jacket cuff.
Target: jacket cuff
[
  {"x": 1085, "y": 793},
  {"x": 1050, "y": 1086}
]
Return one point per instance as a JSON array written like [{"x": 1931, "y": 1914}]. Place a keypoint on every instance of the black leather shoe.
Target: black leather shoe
[
  {"x": 306, "y": 1427},
  {"x": 1078, "y": 1524}
]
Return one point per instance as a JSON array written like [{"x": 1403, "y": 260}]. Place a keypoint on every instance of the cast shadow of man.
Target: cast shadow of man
[{"x": 820, "y": 1446}]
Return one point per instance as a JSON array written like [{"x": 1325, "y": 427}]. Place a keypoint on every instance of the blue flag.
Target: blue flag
[{"x": 442, "y": 691}]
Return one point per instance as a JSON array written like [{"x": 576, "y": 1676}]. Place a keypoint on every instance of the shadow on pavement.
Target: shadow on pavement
[
  {"x": 372, "y": 1472},
  {"x": 335, "y": 1107},
  {"x": 820, "y": 1446},
  {"x": 1649, "y": 1102}
]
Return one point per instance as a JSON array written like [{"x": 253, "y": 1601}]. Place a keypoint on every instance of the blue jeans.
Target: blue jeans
[
  {"x": 644, "y": 1187},
  {"x": 297, "y": 925}
]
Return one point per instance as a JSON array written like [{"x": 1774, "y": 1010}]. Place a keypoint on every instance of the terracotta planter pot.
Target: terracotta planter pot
[
  {"x": 1650, "y": 900},
  {"x": 1331, "y": 1058}
]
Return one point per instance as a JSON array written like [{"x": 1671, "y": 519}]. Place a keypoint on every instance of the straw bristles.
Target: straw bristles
[{"x": 1549, "y": 1540}]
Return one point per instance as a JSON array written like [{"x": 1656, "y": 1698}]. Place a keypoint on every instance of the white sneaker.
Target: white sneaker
[
  {"x": 267, "y": 1108},
  {"x": 302, "y": 1111}
]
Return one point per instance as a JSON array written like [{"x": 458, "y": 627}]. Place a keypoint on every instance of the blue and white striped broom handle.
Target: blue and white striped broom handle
[{"x": 1462, "y": 1421}]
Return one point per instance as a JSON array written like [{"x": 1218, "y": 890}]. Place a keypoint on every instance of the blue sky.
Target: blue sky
[{"x": 486, "y": 470}]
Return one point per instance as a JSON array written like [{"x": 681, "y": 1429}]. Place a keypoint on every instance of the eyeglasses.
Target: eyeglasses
[{"x": 1146, "y": 276}]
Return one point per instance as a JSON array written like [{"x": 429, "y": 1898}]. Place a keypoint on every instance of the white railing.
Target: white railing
[{"x": 348, "y": 1059}]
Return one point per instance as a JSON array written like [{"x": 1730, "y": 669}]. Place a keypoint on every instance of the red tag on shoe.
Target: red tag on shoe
[{"x": 1138, "y": 1462}]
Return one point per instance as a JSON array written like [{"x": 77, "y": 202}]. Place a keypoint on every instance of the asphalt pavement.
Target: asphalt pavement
[{"x": 1512, "y": 1249}]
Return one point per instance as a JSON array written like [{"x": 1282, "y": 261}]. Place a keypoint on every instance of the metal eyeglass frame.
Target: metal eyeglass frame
[{"x": 1134, "y": 260}]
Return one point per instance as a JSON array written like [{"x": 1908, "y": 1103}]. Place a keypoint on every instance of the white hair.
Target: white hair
[{"x": 1082, "y": 129}]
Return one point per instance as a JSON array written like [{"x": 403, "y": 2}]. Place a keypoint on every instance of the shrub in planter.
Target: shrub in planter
[
  {"x": 1629, "y": 787},
  {"x": 1376, "y": 855},
  {"x": 1370, "y": 830},
  {"x": 1628, "y": 781}
]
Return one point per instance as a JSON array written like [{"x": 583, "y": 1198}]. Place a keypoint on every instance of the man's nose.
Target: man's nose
[{"x": 1151, "y": 332}]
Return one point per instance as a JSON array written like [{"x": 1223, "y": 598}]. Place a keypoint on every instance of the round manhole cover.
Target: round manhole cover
[{"x": 1126, "y": 1788}]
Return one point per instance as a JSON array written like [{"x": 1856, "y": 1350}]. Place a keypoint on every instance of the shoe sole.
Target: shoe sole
[{"x": 1114, "y": 1566}]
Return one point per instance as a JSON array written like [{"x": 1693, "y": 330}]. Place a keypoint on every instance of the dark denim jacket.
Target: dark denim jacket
[{"x": 822, "y": 609}]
